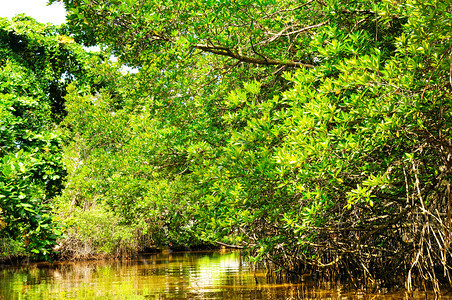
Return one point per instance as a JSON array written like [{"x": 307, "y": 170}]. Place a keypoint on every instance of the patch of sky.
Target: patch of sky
[{"x": 37, "y": 9}]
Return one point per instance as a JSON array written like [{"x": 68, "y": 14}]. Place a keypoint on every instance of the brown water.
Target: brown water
[{"x": 190, "y": 275}]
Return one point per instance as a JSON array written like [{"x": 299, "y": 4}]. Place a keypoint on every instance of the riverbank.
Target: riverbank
[{"x": 64, "y": 255}]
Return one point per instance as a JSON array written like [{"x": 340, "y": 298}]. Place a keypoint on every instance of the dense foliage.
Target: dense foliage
[
  {"x": 316, "y": 133},
  {"x": 36, "y": 64}
]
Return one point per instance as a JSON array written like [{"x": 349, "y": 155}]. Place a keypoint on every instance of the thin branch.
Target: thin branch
[
  {"x": 282, "y": 32},
  {"x": 229, "y": 246},
  {"x": 254, "y": 50},
  {"x": 290, "y": 9},
  {"x": 307, "y": 28}
]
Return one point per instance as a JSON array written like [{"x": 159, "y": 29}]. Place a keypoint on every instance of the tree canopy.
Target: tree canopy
[{"x": 316, "y": 134}]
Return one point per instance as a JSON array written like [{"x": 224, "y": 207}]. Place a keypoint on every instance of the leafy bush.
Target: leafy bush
[{"x": 35, "y": 67}]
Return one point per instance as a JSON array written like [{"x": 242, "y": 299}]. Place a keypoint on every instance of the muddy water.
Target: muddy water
[{"x": 202, "y": 275}]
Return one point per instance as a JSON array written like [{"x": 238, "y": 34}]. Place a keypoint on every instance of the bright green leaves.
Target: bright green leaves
[
  {"x": 278, "y": 125},
  {"x": 334, "y": 141},
  {"x": 235, "y": 29},
  {"x": 31, "y": 171},
  {"x": 131, "y": 154},
  {"x": 23, "y": 194},
  {"x": 36, "y": 64}
]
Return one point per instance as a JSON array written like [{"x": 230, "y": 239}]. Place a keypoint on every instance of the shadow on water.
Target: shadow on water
[{"x": 189, "y": 275}]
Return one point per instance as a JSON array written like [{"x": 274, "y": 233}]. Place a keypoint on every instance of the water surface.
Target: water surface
[{"x": 190, "y": 275}]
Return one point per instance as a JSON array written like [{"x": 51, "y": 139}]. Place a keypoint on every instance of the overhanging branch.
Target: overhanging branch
[{"x": 224, "y": 51}]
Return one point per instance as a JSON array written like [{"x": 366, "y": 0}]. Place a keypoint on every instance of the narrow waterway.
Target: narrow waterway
[{"x": 190, "y": 275}]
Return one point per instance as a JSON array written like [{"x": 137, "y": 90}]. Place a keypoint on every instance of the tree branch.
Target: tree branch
[
  {"x": 229, "y": 246},
  {"x": 282, "y": 32},
  {"x": 224, "y": 51}
]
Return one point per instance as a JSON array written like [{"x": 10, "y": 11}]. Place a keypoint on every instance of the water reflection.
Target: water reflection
[{"x": 202, "y": 275}]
